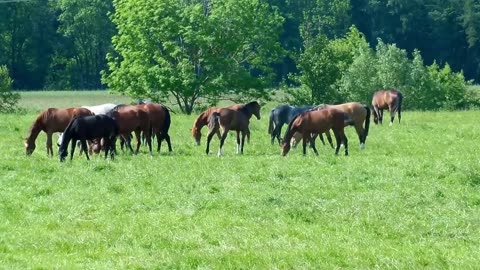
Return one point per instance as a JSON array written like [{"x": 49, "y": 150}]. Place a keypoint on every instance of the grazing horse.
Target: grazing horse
[
  {"x": 283, "y": 114},
  {"x": 97, "y": 110},
  {"x": 85, "y": 128},
  {"x": 318, "y": 121},
  {"x": 227, "y": 120},
  {"x": 387, "y": 99},
  {"x": 359, "y": 113},
  {"x": 253, "y": 108},
  {"x": 132, "y": 118},
  {"x": 160, "y": 121},
  {"x": 50, "y": 121}
]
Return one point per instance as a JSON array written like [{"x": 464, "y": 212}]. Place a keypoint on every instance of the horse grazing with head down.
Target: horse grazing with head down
[
  {"x": 229, "y": 119},
  {"x": 132, "y": 119},
  {"x": 281, "y": 115},
  {"x": 85, "y": 128},
  {"x": 50, "y": 121},
  {"x": 253, "y": 108},
  {"x": 317, "y": 122},
  {"x": 387, "y": 99},
  {"x": 359, "y": 113}
]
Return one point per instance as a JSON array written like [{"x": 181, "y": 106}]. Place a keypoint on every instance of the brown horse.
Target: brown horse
[
  {"x": 160, "y": 122},
  {"x": 387, "y": 99},
  {"x": 359, "y": 113},
  {"x": 318, "y": 121},
  {"x": 132, "y": 119},
  {"x": 50, "y": 121},
  {"x": 252, "y": 108},
  {"x": 228, "y": 119}
]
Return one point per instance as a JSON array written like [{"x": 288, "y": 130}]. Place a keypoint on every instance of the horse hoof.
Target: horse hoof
[{"x": 362, "y": 146}]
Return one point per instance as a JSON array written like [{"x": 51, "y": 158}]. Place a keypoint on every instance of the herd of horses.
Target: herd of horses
[{"x": 98, "y": 127}]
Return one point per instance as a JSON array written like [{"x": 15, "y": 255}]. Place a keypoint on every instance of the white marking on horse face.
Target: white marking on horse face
[{"x": 362, "y": 146}]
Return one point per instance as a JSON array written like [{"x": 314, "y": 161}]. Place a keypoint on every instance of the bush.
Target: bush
[{"x": 8, "y": 99}]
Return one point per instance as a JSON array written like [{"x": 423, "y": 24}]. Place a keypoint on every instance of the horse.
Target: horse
[
  {"x": 85, "y": 128},
  {"x": 97, "y": 110},
  {"x": 50, "y": 121},
  {"x": 359, "y": 113},
  {"x": 318, "y": 121},
  {"x": 283, "y": 114},
  {"x": 228, "y": 119},
  {"x": 132, "y": 118},
  {"x": 251, "y": 108},
  {"x": 387, "y": 99},
  {"x": 160, "y": 121}
]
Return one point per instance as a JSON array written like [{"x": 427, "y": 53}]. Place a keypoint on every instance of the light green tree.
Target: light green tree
[
  {"x": 193, "y": 50},
  {"x": 8, "y": 99}
]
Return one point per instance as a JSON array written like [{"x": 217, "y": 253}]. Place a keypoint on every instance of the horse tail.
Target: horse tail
[
  {"x": 167, "y": 123},
  {"x": 214, "y": 121},
  {"x": 399, "y": 106},
  {"x": 367, "y": 119},
  {"x": 270, "y": 122}
]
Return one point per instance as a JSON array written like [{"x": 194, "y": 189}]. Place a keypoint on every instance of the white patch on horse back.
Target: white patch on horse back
[
  {"x": 362, "y": 146},
  {"x": 219, "y": 152}
]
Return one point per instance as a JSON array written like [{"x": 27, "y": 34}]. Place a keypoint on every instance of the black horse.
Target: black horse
[
  {"x": 284, "y": 114},
  {"x": 85, "y": 128}
]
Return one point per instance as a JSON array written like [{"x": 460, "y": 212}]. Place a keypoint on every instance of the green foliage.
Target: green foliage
[
  {"x": 8, "y": 99},
  {"x": 193, "y": 50},
  {"x": 321, "y": 66}
]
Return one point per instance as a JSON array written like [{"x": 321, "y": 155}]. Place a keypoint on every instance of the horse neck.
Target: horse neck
[
  {"x": 35, "y": 129},
  {"x": 289, "y": 134},
  {"x": 201, "y": 121},
  {"x": 246, "y": 111}
]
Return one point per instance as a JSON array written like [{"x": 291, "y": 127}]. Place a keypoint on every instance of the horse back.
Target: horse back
[
  {"x": 233, "y": 119},
  {"x": 355, "y": 110}
]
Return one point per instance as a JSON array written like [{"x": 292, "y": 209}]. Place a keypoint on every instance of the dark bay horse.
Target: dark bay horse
[
  {"x": 251, "y": 108},
  {"x": 387, "y": 99},
  {"x": 132, "y": 119},
  {"x": 359, "y": 113},
  {"x": 281, "y": 115},
  {"x": 85, "y": 128},
  {"x": 317, "y": 122},
  {"x": 160, "y": 121},
  {"x": 229, "y": 119},
  {"x": 50, "y": 121}
]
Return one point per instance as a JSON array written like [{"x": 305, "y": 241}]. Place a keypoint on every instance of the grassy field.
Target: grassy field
[{"x": 410, "y": 200}]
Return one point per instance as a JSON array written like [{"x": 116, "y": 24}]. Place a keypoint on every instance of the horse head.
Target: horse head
[
  {"x": 254, "y": 108},
  {"x": 285, "y": 148},
  {"x": 197, "y": 135},
  {"x": 29, "y": 147}
]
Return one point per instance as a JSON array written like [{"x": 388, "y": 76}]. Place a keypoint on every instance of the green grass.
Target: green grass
[{"x": 410, "y": 200}]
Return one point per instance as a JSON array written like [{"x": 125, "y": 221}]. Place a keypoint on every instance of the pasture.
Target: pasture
[{"x": 411, "y": 199}]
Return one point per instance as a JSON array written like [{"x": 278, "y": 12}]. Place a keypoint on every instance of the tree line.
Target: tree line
[{"x": 205, "y": 50}]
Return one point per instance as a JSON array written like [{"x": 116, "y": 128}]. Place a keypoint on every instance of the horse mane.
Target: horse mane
[
  {"x": 247, "y": 108},
  {"x": 289, "y": 133},
  {"x": 67, "y": 136},
  {"x": 39, "y": 123}
]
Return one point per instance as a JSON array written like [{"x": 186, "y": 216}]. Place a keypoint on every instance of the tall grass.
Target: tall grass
[{"x": 410, "y": 200}]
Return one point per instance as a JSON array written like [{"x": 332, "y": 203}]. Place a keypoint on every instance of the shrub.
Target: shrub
[{"x": 8, "y": 99}]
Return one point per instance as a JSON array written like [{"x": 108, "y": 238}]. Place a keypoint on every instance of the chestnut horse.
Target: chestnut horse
[
  {"x": 229, "y": 119},
  {"x": 387, "y": 99},
  {"x": 132, "y": 118},
  {"x": 359, "y": 113},
  {"x": 318, "y": 121},
  {"x": 50, "y": 121},
  {"x": 160, "y": 121},
  {"x": 202, "y": 120}
]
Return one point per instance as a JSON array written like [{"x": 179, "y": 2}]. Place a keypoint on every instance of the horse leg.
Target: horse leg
[
  {"x": 361, "y": 134},
  {"x": 238, "y": 142},
  {"x": 321, "y": 138},
  {"x": 148, "y": 137},
  {"x": 338, "y": 139},
  {"x": 276, "y": 133},
  {"x": 306, "y": 137},
  {"x": 345, "y": 143},
  {"x": 84, "y": 146},
  {"x": 312, "y": 143},
  {"x": 244, "y": 134},
  {"x": 169, "y": 143},
  {"x": 222, "y": 141},
  {"x": 74, "y": 144},
  {"x": 49, "y": 144},
  {"x": 380, "y": 118},
  {"x": 159, "y": 140},
  {"x": 139, "y": 141},
  {"x": 128, "y": 142},
  {"x": 209, "y": 138},
  {"x": 392, "y": 115}
]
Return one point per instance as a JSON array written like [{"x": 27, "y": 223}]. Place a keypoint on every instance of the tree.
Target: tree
[
  {"x": 193, "y": 50},
  {"x": 8, "y": 99}
]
